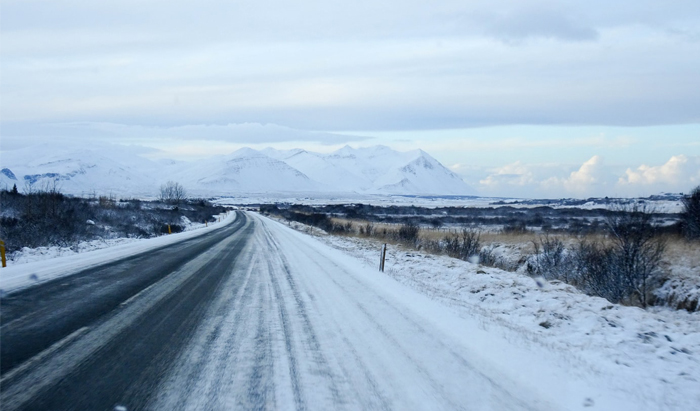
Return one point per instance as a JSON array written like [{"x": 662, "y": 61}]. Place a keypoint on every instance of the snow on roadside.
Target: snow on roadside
[
  {"x": 28, "y": 255},
  {"x": 654, "y": 354},
  {"x": 33, "y": 266}
]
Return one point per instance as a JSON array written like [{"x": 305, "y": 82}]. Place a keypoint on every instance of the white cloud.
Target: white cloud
[
  {"x": 593, "y": 178},
  {"x": 244, "y": 133},
  {"x": 361, "y": 65},
  {"x": 590, "y": 175},
  {"x": 515, "y": 174},
  {"x": 534, "y": 180},
  {"x": 679, "y": 173}
]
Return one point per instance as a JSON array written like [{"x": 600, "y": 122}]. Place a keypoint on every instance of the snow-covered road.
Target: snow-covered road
[
  {"x": 286, "y": 322},
  {"x": 304, "y": 332}
]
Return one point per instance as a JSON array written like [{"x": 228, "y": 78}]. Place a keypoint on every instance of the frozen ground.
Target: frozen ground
[
  {"x": 31, "y": 266},
  {"x": 651, "y": 355}
]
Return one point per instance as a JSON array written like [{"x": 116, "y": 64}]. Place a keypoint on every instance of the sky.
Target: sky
[{"x": 532, "y": 99}]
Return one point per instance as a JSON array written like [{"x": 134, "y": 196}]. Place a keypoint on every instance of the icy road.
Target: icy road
[{"x": 257, "y": 316}]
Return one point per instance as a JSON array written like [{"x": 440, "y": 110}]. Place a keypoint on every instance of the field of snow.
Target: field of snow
[{"x": 651, "y": 355}]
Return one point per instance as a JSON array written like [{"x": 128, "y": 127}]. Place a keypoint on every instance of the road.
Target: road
[{"x": 246, "y": 317}]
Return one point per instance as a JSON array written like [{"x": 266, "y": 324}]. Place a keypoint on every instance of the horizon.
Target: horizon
[{"x": 150, "y": 154}]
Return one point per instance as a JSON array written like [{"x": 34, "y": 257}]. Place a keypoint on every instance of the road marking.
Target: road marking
[{"x": 42, "y": 355}]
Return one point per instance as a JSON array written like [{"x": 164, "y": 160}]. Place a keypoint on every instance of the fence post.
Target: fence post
[
  {"x": 2, "y": 253},
  {"x": 382, "y": 258}
]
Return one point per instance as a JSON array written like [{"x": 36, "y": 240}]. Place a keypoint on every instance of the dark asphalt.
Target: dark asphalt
[{"x": 122, "y": 354}]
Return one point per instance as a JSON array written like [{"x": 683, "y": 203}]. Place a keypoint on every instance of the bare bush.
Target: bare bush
[
  {"x": 408, "y": 233},
  {"x": 637, "y": 250},
  {"x": 172, "y": 192},
  {"x": 551, "y": 260},
  {"x": 596, "y": 273},
  {"x": 464, "y": 246},
  {"x": 625, "y": 269}
]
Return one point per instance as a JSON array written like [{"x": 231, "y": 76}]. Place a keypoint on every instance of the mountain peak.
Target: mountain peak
[{"x": 246, "y": 152}]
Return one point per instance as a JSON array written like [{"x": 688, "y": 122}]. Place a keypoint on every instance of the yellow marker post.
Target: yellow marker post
[
  {"x": 2, "y": 253},
  {"x": 169, "y": 231}
]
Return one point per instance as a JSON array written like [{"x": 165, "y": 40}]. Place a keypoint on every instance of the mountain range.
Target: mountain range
[{"x": 125, "y": 171}]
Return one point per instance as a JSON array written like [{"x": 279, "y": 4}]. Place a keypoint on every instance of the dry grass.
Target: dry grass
[{"x": 679, "y": 251}]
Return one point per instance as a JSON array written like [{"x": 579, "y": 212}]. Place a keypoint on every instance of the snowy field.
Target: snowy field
[{"x": 651, "y": 355}]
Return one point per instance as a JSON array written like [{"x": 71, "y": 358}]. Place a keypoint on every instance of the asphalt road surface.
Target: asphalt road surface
[{"x": 245, "y": 317}]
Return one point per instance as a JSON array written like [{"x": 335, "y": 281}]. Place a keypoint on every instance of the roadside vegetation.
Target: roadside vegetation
[
  {"x": 46, "y": 217},
  {"x": 624, "y": 254}
]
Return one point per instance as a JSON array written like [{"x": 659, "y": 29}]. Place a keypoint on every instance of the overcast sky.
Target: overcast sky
[{"x": 536, "y": 98}]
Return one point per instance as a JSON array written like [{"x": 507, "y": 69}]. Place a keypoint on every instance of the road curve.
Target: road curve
[{"x": 249, "y": 317}]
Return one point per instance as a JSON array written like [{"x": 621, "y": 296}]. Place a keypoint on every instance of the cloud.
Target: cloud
[
  {"x": 539, "y": 21},
  {"x": 516, "y": 174},
  {"x": 593, "y": 178},
  {"x": 245, "y": 133},
  {"x": 362, "y": 65},
  {"x": 591, "y": 174},
  {"x": 679, "y": 172}
]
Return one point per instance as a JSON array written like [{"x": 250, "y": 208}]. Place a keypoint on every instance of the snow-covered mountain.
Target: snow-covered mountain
[
  {"x": 317, "y": 167},
  {"x": 102, "y": 169},
  {"x": 244, "y": 171},
  {"x": 376, "y": 170},
  {"x": 124, "y": 171}
]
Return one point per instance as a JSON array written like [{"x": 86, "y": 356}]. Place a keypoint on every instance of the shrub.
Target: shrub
[
  {"x": 626, "y": 269},
  {"x": 551, "y": 260},
  {"x": 172, "y": 192},
  {"x": 464, "y": 246},
  {"x": 690, "y": 216},
  {"x": 596, "y": 274},
  {"x": 408, "y": 233},
  {"x": 367, "y": 230},
  {"x": 636, "y": 251}
]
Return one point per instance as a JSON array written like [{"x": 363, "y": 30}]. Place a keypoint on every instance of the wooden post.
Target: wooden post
[
  {"x": 2, "y": 253},
  {"x": 382, "y": 258}
]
